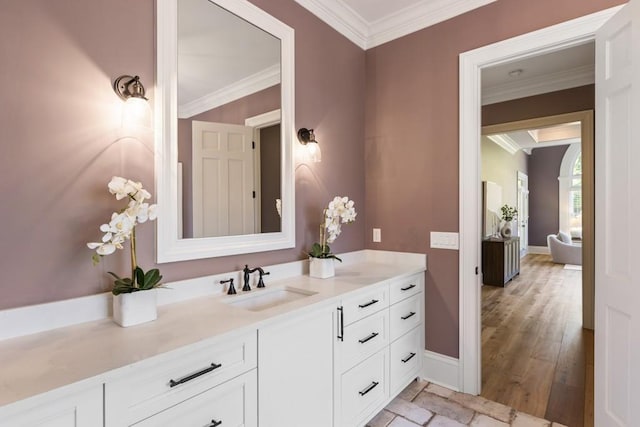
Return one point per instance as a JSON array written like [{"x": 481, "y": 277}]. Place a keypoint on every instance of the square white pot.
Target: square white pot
[
  {"x": 321, "y": 268},
  {"x": 135, "y": 308}
]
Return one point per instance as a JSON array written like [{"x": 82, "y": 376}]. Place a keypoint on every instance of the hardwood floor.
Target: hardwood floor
[{"x": 535, "y": 355}]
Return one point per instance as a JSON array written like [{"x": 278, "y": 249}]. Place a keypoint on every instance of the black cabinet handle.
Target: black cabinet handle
[
  {"x": 173, "y": 383},
  {"x": 341, "y": 323},
  {"x": 369, "y": 338},
  {"x": 368, "y": 389},
  {"x": 408, "y": 287},
  {"x": 411, "y": 314},
  {"x": 215, "y": 423},
  {"x": 373, "y": 301},
  {"x": 409, "y": 357}
]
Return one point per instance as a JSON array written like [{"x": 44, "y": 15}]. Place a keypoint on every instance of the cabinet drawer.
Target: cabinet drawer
[
  {"x": 406, "y": 354},
  {"x": 155, "y": 385},
  {"x": 405, "y": 316},
  {"x": 362, "y": 339},
  {"x": 364, "y": 304},
  {"x": 233, "y": 403},
  {"x": 405, "y": 288},
  {"x": 364, "y": 389}
]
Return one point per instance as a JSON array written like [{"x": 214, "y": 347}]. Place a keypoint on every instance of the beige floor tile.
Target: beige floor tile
[
  {"x": 558, "y": 425},
  {"x": 413, "y": 389},
  {"x": 439, "y": 390},
  {"x": 524, "y": 420},
  {"x": 481, "y": 420},
  {"x": 383, "y": 419},
  {"x": 401, "y": 422},
  {"x": 409, "y": 411},
  {"x": 440, "y": 421},
  {"x": 444, "y": 407},
  {"x": 488, "y": 407}
]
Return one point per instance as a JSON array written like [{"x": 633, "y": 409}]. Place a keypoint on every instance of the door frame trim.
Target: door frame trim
[{"x": 546, "y": 40}]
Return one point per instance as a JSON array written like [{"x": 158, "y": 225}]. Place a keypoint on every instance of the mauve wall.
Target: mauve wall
[
  {"x": 548, "y": 104},
  {"x": 59, "y": 141},
  {"x": 411, "y": 145},
  {"x": 544, "y": 193}
]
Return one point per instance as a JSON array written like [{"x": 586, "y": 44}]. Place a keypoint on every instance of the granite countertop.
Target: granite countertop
[{"x": 38, "y": 363}]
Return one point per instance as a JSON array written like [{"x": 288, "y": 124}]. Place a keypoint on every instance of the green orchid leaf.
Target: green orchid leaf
[
  {"x": 152, "y": 278},
  {"x": 139, "y": 273}
]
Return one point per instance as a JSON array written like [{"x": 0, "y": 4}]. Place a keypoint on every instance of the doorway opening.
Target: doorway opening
[
  {"x": 535, "y": 353},
  {"x": 558, "y": 37}
]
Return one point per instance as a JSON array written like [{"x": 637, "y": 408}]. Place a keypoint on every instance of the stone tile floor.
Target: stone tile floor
[{"x": 427, "y": 404}]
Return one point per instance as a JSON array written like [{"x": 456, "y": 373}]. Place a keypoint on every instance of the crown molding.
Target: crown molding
[
  {"x": 522, "y": 88},
  {"x": 350, "y": 24},
  {"x": 245, "y": 87},
  {"x": 341, "y": 18},
  {"x": 417, "y": 17},
  {"x": 505, "y": 142}
]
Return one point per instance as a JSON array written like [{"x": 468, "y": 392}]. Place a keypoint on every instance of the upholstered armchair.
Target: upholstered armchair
[{"x": 562, "y": 250}]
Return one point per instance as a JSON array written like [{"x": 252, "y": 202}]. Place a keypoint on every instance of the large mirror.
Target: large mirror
[{"x": 224, "y": 126}]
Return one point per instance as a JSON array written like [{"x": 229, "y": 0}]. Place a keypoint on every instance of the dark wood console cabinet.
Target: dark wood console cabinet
[{"x": 500, "y": 260}]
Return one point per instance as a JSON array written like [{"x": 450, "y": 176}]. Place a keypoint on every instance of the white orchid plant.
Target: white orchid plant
[
  {"x": 340, "y": 211},
  {"x": 121, "y": 228}
]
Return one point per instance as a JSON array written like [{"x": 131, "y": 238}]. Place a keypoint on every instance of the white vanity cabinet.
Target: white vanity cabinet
[
  {"x": 81, "y": 408},
  {"x": 332, "y": 359},
  {"x": 378, "y": 348},
  {"x": 188, "y": 384},
  {"x": 406, "y": 322},
  {"x": 295, "y": 368}
]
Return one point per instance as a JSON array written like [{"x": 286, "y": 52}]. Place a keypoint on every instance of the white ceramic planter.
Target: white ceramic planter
[
  {"x": 135, "y": 308},
  {"x": 321, "y": 268}
]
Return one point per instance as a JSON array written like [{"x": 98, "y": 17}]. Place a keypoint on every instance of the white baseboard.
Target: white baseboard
[
  {"x": 442, "y": 370},
  {"x": 539, "y": 250}
]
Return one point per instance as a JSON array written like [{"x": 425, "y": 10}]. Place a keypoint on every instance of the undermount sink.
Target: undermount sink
[{"x": 269, "y": 298}]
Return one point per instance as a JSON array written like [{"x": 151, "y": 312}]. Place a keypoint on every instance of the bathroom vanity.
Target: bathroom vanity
[{"x": 302, "y": 351}]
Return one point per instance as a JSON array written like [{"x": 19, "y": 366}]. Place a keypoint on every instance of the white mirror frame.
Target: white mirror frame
[{"x": 168, "y": 247}]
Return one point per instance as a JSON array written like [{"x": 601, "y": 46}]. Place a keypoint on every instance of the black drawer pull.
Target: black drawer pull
[
  {"x": 369, "y": 338},
  {"x": 408, "y": 287},
  {"x": 411, "y": 314},
  {"x": 409, "y": 357},
  {"x": 373, "y": 301},
  {"x": 215, "y": 423},
  {"x": 341, "y": 322},
  {"x": 368, "y": 389},
  {"x": 173, "y": 383}
]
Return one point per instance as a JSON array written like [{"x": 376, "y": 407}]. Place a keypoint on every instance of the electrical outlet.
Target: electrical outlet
[{"x": 377, "y": 235}]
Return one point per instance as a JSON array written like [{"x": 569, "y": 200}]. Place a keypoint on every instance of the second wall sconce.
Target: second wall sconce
[
  {"x": 308, "y": 139},
  {"x": 136, "y": 110}
]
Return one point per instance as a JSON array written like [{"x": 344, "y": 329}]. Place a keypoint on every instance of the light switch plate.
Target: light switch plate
[{"x": 441, "y": 240}]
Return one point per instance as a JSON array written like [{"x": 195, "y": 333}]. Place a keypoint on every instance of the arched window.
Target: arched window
[{"x": 570, "y": 201}]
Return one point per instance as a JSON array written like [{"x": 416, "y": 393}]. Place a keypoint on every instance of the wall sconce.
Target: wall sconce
[
  {"x": 308, "y": 139},
  {"x": 136, "y": 110}
]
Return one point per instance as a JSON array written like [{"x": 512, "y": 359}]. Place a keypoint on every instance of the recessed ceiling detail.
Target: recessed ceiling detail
[
  {"x": 374, "y": 22},
  {"x": 527, "y": 140}
]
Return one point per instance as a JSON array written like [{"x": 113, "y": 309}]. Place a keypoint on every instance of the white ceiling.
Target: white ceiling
[
  {"x": 369, "y": 23},
  {"x": 221, "y": 57},
  {"x": 554, "y": 71}
]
